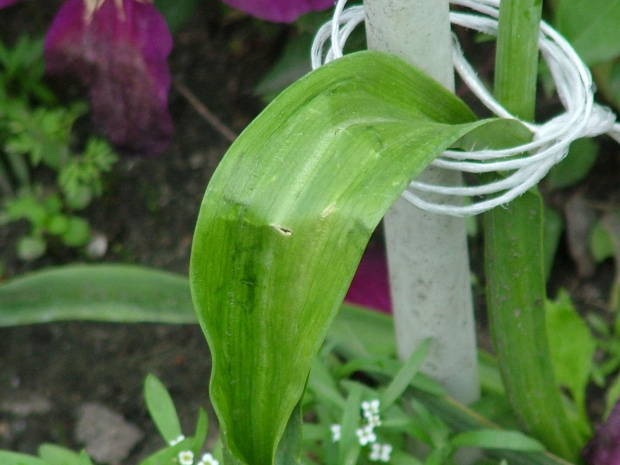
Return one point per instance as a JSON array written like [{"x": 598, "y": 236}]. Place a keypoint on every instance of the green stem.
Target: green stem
[
  {"x": 513, "y": 248},
  {"x": 516, "y": 67}
]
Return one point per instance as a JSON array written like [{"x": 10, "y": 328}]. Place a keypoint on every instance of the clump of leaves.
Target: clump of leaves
[{"x": 36, "y": 134}]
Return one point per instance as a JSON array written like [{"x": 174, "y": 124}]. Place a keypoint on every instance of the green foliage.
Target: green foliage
[
  {"x": 493, "y": 439},
  {"x": 116, "y": 293},
  {"x": 514, "y": 255},
  {"x": 335, "y": 396},
  {"x": 359, "y": 341},
  {"x": 292, "y": 65},
  {"x": 601, "y": 243},
  {"x": 22, "y": 70},
  {"x": 160, "y": 408},
  {"x": 36, "y": 134},
  {"x": 54, "y": 454},
  {"x": 572, "y": 349},
  {"x": 176, "y": 12},
  {"x": 80, "y": 179},
  {"x": 280, "y": 233},
  {"x": 286, "y": 217},
  {"x": 293, "y": 62},
  {"x": 604, "y": 244},
  {"x": 575, "y": 167},
  {"x": 552, "y": 233},
  {"x": 591, "y": 26}
]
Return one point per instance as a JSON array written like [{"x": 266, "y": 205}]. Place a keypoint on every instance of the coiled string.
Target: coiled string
[{"x": 523, "y": 165}]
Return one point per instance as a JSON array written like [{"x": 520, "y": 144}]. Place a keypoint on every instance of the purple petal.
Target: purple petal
[
  {"x": 121, "y": 57},
  {"x": 279, "y": 11},
  {"x": 5, "y": 3},
  {"x": 370, "y": 286},
  {"x": 604, "y": 447}
]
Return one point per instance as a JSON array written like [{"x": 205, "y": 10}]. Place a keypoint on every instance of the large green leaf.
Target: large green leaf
[
  {"x": 114, "y": 293},
  {"x": 286, "y": 217}
]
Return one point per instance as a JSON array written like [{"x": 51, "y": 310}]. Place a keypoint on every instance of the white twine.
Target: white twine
[{"x": 575, "y": 88}]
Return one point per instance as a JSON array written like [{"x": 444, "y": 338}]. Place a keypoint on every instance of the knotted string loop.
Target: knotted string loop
[{"x": 524, "y": 165}]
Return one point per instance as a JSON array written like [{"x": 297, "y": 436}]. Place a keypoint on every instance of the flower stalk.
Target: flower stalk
[{"x": 513, "y": 254}]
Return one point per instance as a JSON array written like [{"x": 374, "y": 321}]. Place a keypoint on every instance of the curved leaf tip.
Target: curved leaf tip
[{"x": 285, "y": 220}]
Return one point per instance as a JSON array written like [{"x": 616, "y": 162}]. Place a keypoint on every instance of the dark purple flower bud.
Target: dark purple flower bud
[
  {"x": 604, "y": 447},
  {"x": 118, "y": 49},
  {"x": 370, "y": 286},
  {"x": 279, "y": 11},
  {"x": 4, "y": 3}
]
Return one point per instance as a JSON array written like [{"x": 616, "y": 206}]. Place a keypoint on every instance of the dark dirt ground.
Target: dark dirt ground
[{"x": 148, "y": 213}]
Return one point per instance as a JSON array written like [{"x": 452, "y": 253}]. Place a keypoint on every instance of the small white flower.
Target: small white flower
[
  {"x": 336, "y": 432},
  {"x": 186, "y": 457},
  {"x": 207, "y": 459},
  {"x": 380, "y": 452},
  {"x": 174, "y": 442},
  {"x": 371, "y": 408},
  {"x": 366, "y": 435},
  {"x": 373, "y": 420}
]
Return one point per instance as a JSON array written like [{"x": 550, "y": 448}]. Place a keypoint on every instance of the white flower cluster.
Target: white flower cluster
[
  {"x": 370, "y": 410},
  {"x": 380, "y": 452},
  {"x": 366, "y": 434},
  {"x": 186, "y": 457}
]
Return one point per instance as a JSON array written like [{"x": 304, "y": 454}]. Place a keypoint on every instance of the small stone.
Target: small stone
[
  {"x": 107, "y": 436},
  {"x": 97, "y": 247}
]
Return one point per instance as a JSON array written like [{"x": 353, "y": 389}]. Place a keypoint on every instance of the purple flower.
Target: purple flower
[
  {"x": 279, "y": 11},
  {"x": 4, "y": 3},
  {"x": 118, "y": 49},
  {"x": 604, "y": 447},
  {"x": 370, "y": 286}
]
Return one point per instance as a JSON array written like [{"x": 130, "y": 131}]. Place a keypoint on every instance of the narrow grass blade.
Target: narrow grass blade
[
  {"x": 162, "y": 409},
  {"x": 494, "y": 439},
  {"x": 349, "y": 445},
  {"x": 405, "y": 375}
]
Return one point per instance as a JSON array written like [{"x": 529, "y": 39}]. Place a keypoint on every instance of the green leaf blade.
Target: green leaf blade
[
  {"x": 403, "y": 378},
  {"x": 495, "y": 439},
  {"x": 113, "y": 293},
  {"x": 285, "y": 220},
  {"x": 591, "y": 26},
  {"x": 162, "y": 409}
]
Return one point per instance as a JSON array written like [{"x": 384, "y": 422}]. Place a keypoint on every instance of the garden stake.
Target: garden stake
[{"x": 427, "y": 253}]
